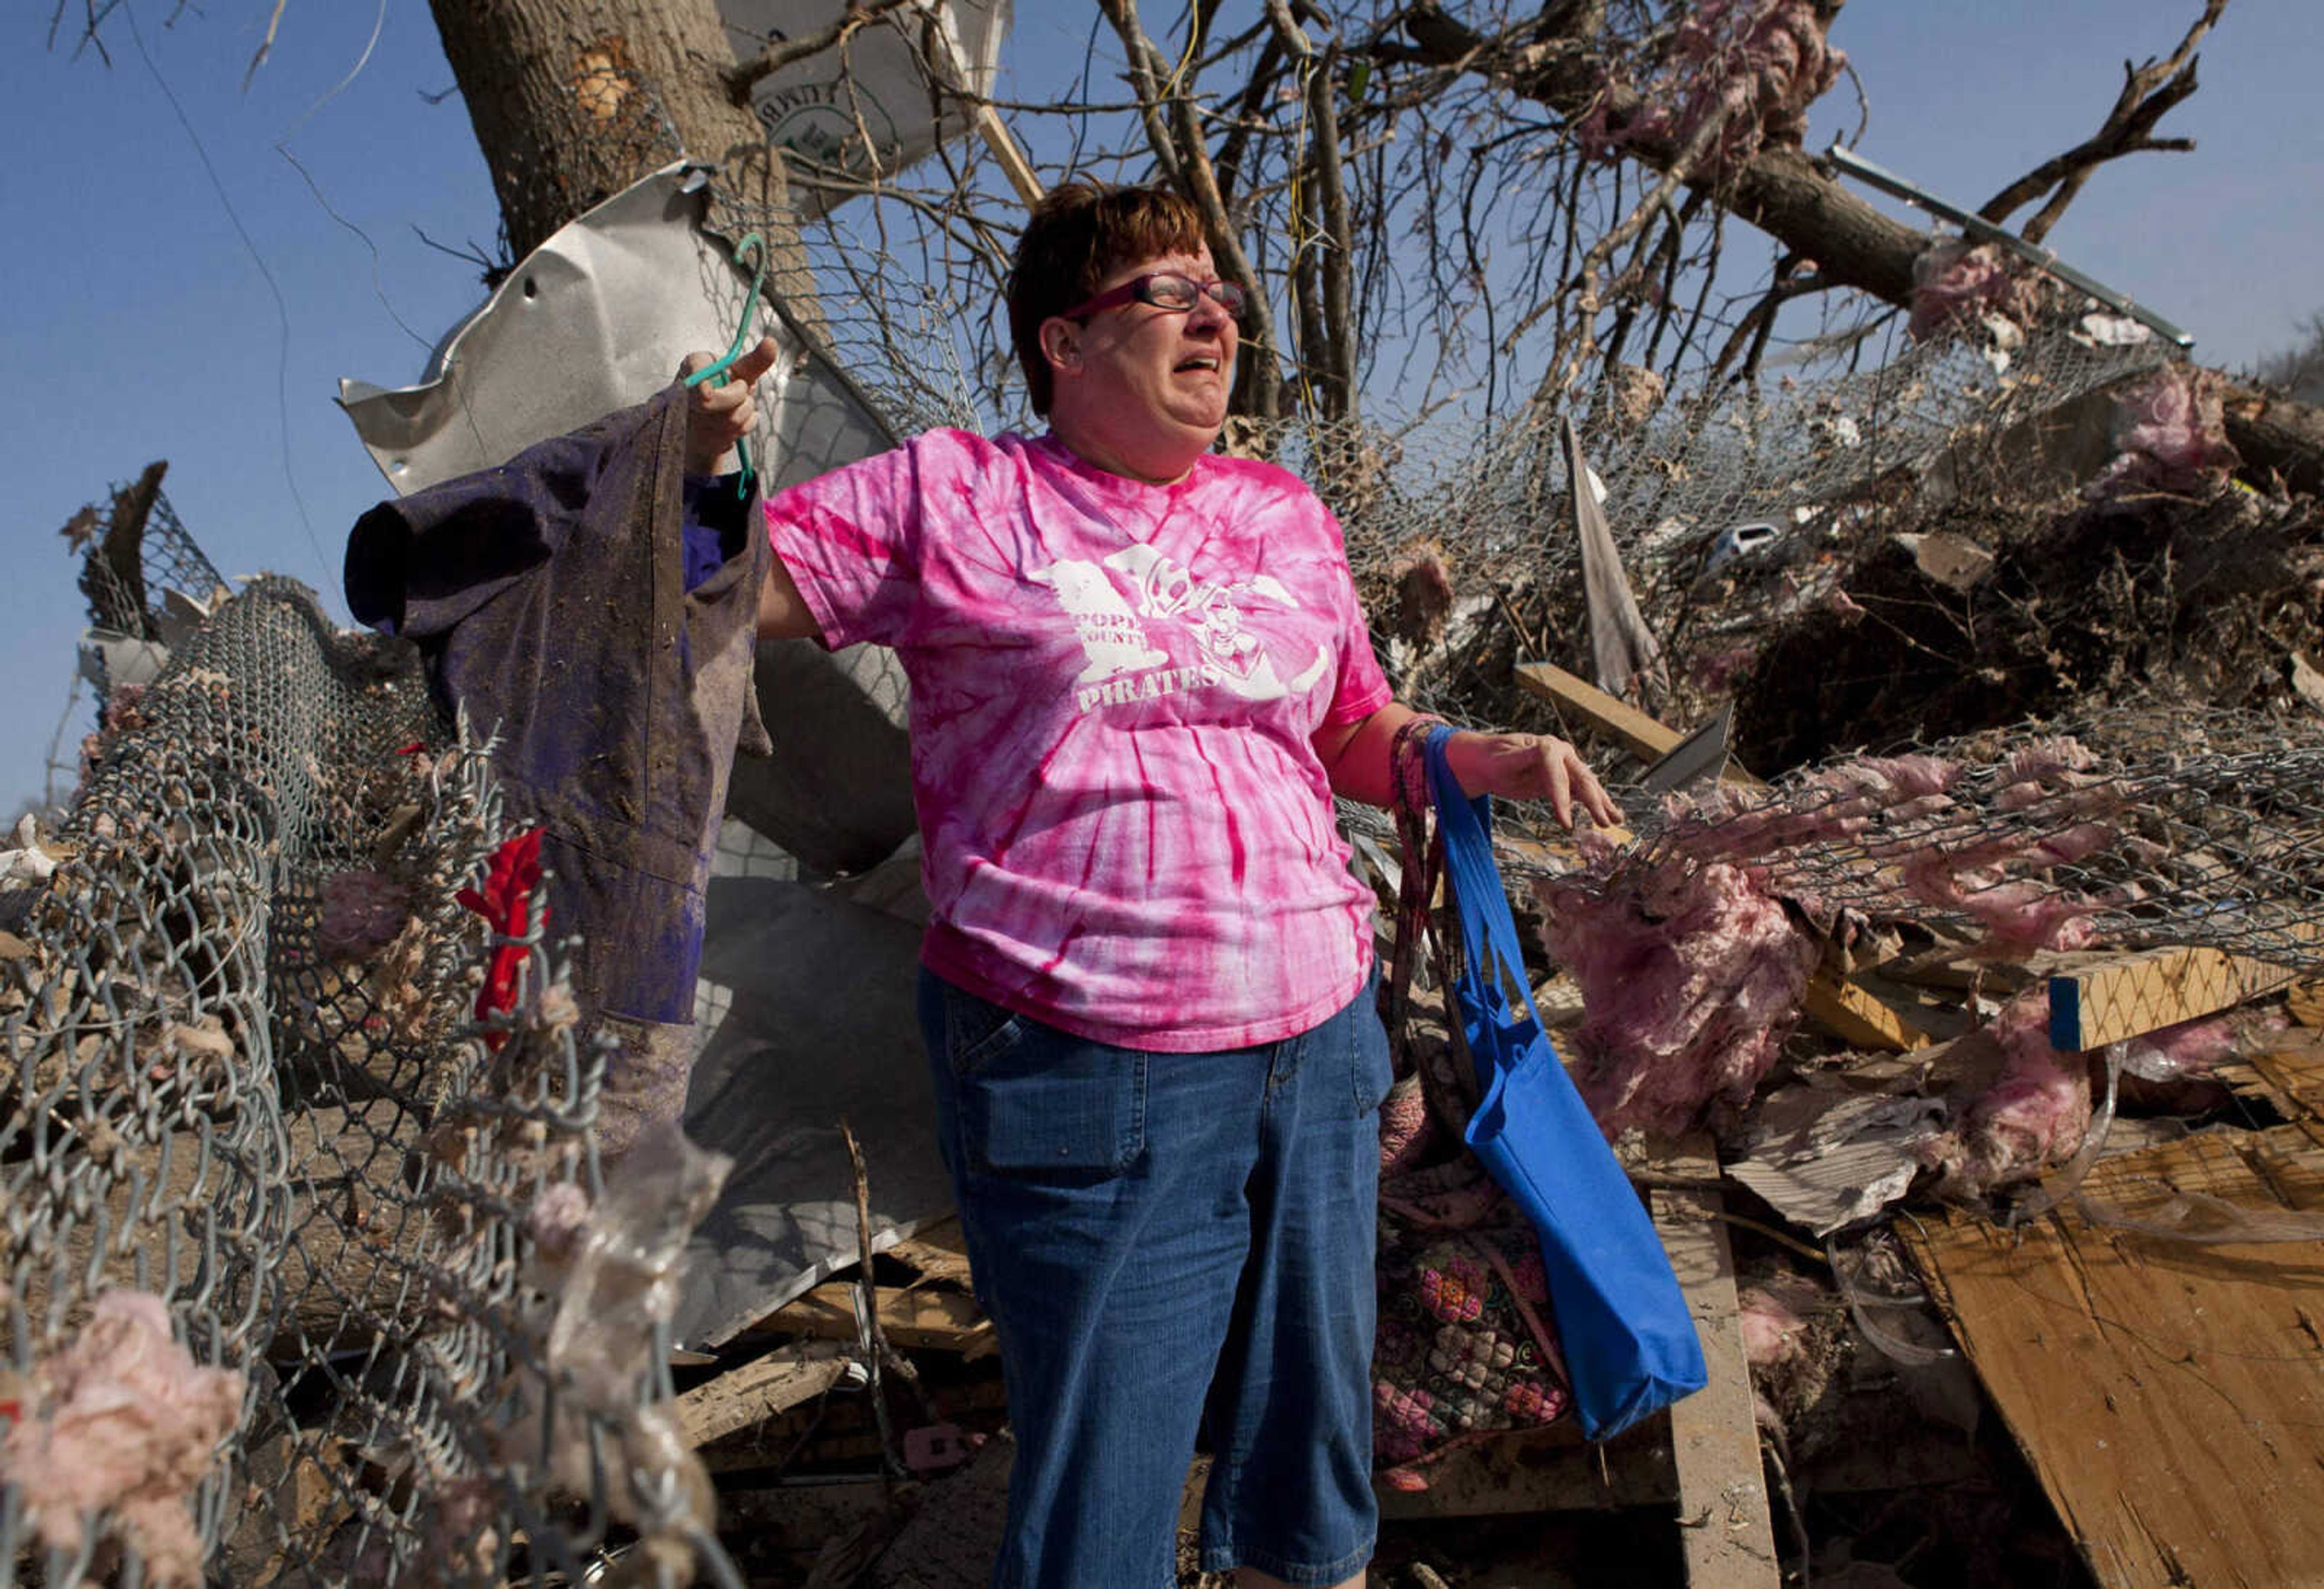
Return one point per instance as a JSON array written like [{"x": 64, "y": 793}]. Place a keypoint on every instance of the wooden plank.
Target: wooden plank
[
  {"x": 2305, "y": 1003},
  {"x": 946, "y": 1320},
  {"x": 1858, "y": 1017},
  {"x": 2292, "y": 1066},
  {"x": 1639, "y": 734},
  {"x": 1726, "y": 1532},
  {"x": 2132, "y": 995},
  {"x": 1005, "y": 150},
  {"x": 937, "y": 1251},
  {"x": 759, "y": 1390},
  {"x": 2168, "y": 1394}
]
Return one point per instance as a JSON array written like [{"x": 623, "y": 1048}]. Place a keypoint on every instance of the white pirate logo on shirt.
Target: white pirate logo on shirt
[{"x": 1114, "y": 639}]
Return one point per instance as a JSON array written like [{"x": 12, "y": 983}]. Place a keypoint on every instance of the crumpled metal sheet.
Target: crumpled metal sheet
[
  {"x": 1825, "y": 1159},
  {"x": 809, "y": 1017},
  {"x": 594, "y": 319},
  {"x": 1622, "y": 647}
]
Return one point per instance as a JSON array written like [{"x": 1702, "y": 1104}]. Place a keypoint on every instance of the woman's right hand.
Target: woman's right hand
[{"x": 719, "y": 414}]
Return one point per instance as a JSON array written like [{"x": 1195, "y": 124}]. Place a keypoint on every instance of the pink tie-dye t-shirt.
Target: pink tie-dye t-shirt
[{"x": 1127, "y": 831}]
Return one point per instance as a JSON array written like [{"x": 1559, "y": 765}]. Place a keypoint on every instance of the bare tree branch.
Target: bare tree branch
[
  {"x": 741, "y": 79},
  {"x": 2148, "y": 91},
  {"x": 1332, "y": 235},
  {"x": 1178, "y": 148}
]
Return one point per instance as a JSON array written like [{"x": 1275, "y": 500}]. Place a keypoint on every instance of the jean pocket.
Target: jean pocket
[
  {"x": 975, "y": 1029},
  {"x": 1033, "y": 1100}
]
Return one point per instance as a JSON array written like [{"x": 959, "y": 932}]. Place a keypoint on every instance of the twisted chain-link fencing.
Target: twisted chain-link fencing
[
  {"x": 2127, "y": 829},
  {"x": 310, "y": 1276}
]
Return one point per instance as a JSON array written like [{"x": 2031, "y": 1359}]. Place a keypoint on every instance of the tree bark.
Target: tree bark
[
  {"x": 1853, "y": 244},
  {"x": 574, "y": 100}
]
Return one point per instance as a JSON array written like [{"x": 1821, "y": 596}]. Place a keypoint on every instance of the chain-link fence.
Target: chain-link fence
[
  {"x": 2125, "y": 829},
  {"x": 2130, "y": 830},
  {"x": 311, "y": 1278}
]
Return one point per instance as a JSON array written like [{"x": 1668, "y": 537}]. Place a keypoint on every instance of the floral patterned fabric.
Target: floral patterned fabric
[{"x": 1465, "y": 1348}]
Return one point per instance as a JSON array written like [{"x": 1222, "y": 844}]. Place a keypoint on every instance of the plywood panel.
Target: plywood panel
[
  {"x": 2169, "y": 1394},
  {"x": 2294, "y": 1066}
]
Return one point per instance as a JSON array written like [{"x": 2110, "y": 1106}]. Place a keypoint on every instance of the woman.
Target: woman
[{"x": 1139, "y": 674}]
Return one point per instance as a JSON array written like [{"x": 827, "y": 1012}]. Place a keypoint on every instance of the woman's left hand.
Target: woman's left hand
[{"x": 1531, "y": 766}]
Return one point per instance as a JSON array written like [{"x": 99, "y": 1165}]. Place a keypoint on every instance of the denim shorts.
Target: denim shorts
[{"x": 1168, "y": 1244}]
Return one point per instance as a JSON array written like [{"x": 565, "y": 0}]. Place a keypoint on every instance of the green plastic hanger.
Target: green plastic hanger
[{"x": 752, "y": 242}]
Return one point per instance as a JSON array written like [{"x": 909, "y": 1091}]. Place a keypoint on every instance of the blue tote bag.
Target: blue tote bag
[{"x": 1631, "y": 1345}]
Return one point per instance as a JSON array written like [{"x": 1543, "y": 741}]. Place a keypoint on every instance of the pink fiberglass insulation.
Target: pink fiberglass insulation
[
  {"x": 2022, "y": 917},
  {"x": 1692, "y": 978},
  {"x": 2191, "y": 1048},
  {"x": 2170, "y": 435},
  {"x": 1951, "y": 870},
  {"x": 2019, "y": 916},
  {"x": 2033, "y": 1116},
  {"x": 2051, "y": 757},
  {"x": 1775, "y": 1314},
  {"x": 1757, "y": 63},
  {"x": 1955, "y": 283},
  {"x": 1734, "y": 824},
  {"x": 1423, "y": 593},
  {"x": 125, "y": 1426},
  {"x": 2040, "y": 770}
]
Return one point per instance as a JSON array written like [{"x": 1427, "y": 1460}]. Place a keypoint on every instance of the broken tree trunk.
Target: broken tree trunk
[{"x": 574, "y": 100}]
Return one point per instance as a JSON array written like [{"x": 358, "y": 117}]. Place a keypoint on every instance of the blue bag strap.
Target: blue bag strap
[{"x": 1489, "y": 933}]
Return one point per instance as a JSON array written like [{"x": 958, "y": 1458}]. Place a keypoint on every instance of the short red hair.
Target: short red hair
[{"x": 1080, "y": 233}]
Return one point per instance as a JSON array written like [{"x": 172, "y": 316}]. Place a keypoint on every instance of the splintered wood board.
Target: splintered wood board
[
  {"x": 1726, "y": 1532},
  {"x": 2292, "y": 1066},
  {"x": 2136, "y": 994},
  {"x": 759, "y": 1391},
  {"x": 944, "y": 1321},
  {"x": 2170, "y": 1395},
  {"x": 937, "y": 1251},
  {"x": 1858, "y": 1017},
  {"x": 2305, "y": 1003},
  {"x": 1642, "y": 736}
]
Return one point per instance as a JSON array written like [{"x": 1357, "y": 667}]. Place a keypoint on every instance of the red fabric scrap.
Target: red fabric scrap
[{"x": 511, "y": 878}]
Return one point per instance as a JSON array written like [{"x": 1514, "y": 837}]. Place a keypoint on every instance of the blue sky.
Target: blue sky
[{"x": 198, "y": 304}]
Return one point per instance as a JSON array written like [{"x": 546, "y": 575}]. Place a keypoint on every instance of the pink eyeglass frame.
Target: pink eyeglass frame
[{"x": 1134, "y": 291}]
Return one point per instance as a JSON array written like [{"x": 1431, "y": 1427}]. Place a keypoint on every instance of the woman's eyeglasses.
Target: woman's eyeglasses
[{"x": 1165, "y": 289}]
